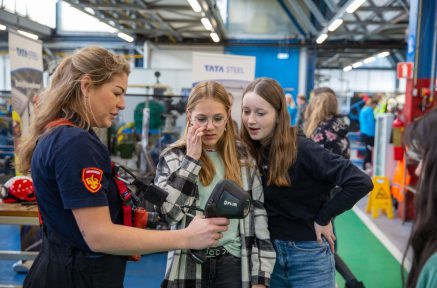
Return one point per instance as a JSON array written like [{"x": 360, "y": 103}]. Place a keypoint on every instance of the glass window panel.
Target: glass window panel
[
  {"x": 41, "y": 11},
  {"x": 258, "y": 19},
  {"x": 74, "y": 20}
]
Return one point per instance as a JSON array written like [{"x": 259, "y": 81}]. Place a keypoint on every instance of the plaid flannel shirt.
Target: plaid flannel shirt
[{"x": 177, "y": 173}]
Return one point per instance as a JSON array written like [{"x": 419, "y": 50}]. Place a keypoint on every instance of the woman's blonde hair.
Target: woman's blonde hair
[
  {"x": 283, "y": 143},
  {"x": 64, "y": 97},
  {"x": 322, "y": 105},
  {"x": 226, "y": 145}
]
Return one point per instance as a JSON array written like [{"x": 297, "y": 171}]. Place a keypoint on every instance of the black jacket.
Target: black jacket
[{"x": 293, "y": 210}]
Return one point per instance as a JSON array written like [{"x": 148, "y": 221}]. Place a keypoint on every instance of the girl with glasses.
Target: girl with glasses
[{"x": 189, "y": 169}]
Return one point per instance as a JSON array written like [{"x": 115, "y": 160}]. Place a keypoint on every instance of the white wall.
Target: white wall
[
  {"x": 5, "y": 73},
  {"x": 345, "y": 83}
]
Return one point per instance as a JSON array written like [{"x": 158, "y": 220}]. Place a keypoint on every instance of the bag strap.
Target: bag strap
[{"x": 59, "y": 122}]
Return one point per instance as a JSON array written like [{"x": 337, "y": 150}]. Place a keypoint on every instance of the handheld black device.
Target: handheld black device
[{"x": 226, "y": 200}]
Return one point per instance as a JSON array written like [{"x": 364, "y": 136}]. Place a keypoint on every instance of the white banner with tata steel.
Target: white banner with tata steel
[
  {"x": 232, "y": 71},
  {"x": 26, "y": 77}
]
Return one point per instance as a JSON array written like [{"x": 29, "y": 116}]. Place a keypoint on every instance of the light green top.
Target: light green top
[
  {"x": 231, "y": 238},
  {"x": 428, "y": 274}
]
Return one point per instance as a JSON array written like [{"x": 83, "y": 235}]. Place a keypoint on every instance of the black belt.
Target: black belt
[{"x": 216, "y": 252}]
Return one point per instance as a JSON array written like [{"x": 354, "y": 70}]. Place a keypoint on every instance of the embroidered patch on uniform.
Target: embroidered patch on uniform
[{"x": 91, "y": 178}]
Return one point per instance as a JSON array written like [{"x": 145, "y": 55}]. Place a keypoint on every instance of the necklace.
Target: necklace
[{"x": 210, "y": 149}]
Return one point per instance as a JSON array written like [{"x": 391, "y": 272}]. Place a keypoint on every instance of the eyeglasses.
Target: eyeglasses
[{"x": 217, "y": 120}]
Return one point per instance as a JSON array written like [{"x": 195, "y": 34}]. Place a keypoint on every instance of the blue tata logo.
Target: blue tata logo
[
  {"x": 224, "y": 69},
  {"x": 26, "y": 53}
]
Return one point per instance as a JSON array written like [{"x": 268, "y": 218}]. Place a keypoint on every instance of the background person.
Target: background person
[
  {"x": 83, "y": 239},
  {"x": 324, "y": 125},
  {"x": 297, "y": 188},
  {"x": 301, "y": 106},
  {"x": 421, "y": 146},
  {"x": 292, "y": 109},
  {"x": 189, "y": 170},
  {"x": 367, "y": 132},
  {"x": 328, "y": 129}
]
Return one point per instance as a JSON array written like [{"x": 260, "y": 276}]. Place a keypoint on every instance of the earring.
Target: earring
[{"x": 226, "y": 129}]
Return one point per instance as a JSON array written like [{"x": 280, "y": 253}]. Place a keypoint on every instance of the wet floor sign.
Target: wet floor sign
[{"x": 380, "y": 198}]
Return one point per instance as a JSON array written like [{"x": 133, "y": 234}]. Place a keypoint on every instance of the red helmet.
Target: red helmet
[{"x": 18, "y": 189}]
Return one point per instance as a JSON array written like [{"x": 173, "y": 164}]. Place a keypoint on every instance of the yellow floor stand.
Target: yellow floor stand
[{"x": 380, "y": 198}]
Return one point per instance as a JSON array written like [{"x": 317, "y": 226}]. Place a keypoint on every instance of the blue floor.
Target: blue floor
[{"x": 146, "y": 273}]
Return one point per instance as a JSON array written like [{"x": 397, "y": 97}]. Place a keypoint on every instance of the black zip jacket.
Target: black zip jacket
[{"x": 293, "y": 210}]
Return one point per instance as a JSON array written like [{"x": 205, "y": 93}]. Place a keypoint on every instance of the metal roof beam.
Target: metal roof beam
[
  {"x": 340, "y": 12},
  {"x": 173, "y": 32},
  {"x": 360, "y": 23},
  {"x": 294, "y": 24},
  {"x": 189, "y": 26},
  {"x": 19, "y": 22},
  {"x": 331, "y": 5},
  {"x": 98, "y": 15},
  {"x": 215, "y": 14},
  {"x": 300, "y": 14},
  {"x": 366, "y": 22},
  {"x": 381, "y": 9},
  {"x": 134, "y": 7},
  {"x": 377, "y": 12},
  {"x": 316, "y": 12},
  {"x": 193, "y": 21}
]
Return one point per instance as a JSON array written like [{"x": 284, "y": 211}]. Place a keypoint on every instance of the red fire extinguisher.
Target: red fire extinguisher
[{"x": 398, "y": 129}]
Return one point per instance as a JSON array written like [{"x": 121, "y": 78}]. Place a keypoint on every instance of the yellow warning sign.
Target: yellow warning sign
[{"x": 380, "y": 198}]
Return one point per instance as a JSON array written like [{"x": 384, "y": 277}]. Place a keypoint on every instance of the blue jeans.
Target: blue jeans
[{"x": 305, "y": 264}]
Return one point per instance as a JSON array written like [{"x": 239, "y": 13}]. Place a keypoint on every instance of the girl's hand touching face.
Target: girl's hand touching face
[{"x": 194, "y": 140}]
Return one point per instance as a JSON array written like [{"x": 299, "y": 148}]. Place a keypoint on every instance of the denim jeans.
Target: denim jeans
[
  {"x": 304, "y": 264},
  {"x": 222, "y": 272}
]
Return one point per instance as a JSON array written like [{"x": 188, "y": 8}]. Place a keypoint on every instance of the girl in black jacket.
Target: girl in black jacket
[{"x": 298, "y": 176}]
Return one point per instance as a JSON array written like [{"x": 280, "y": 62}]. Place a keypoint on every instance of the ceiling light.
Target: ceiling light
[
  {"x": 2, "y": 27},
  {"x": 283, "y": 56},
  {"x": 27, "y": 34},
  {"x": 125, "y": 37},
  {"x": 335, "y": 24},
  {"x": 206, "y": 23},
  {"x": 369, "y": 60},
  {"x": 214, "y": 37},
  {"x": 354, "y": 6},
  {"x": 321, "y": 38},
  {"x": 110, "y": 28},
  {"x": 195, "y": 5},
  {"x": 383, "y": 54},
  {"x": 347, "y": 68},
  {"x": 357, "y": 64},
  {"x": 90, "y": 10}
]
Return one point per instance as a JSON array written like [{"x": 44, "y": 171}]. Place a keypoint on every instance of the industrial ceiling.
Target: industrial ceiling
[{"x": 376, "y": 26}]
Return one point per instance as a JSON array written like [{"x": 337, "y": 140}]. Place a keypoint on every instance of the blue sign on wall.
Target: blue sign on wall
[{"x": 285, "y": 71}]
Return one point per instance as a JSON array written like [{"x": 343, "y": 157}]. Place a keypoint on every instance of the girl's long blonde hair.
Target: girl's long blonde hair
[
  {"x": 64, "y": 97},
  {"x": 322, "y": 105},
  {"x": 226, "y": 145},
  {"x": 283, "y": 143}
]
